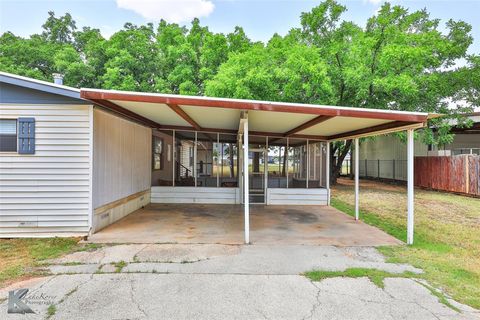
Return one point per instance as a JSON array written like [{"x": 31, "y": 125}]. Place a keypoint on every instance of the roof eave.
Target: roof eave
[
  {"x": 40, "y": 85},
  {"x": 99, "y": 95}
]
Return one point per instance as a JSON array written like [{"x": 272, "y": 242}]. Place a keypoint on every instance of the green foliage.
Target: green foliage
[
  {"x": 281, "y": 71},
  {"x": 170, "y": 59},
  {"x": 375, "y": 275},
  {"x": 119, "y": 266},
  {"x": 59, "y": 30},
  {"x": 51, "y": 310}
]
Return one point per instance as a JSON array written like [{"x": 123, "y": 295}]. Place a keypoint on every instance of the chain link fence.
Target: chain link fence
[{"x": 379, "y": 169}]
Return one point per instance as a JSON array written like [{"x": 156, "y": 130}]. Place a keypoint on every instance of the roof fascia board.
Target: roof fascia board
[
  {"x": 40, "y": 85},
  {"x": 254, "y": 105}
]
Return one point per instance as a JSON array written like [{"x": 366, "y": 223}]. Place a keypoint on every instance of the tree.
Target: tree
[
  {"x": 42, "y": 55},
  {"x": 189, "y": 57},
  {"x": 399, "y": 61},
  {"x": 131, "y": 59},
  {"x": 91, "y": 47},
  {"x": 28, "y": 57},
  {"x": 59, "y": 30},
  {"x": 281, "y": 71},
  {"x": 76, "y": 73}
]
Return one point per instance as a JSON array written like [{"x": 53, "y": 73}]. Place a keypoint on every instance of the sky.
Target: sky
[{"x": 259, "y": 18}]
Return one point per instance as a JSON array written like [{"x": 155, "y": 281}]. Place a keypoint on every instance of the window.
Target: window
[
  {"x": 162, "y": 157},
  {"x": 157, "y": 153},
  {"x": 8, "y": 135}
]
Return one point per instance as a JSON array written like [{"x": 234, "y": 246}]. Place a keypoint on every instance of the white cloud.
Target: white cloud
[{"x": 170, "y": 10}]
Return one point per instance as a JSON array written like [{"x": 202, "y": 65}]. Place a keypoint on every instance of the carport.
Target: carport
[{"x": 255, "y": 160}]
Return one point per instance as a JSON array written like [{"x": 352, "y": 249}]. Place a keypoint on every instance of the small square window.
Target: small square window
[{"x": 8, "y": 135}]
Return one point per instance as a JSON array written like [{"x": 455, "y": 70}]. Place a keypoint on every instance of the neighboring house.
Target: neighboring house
[
  {"x": 385, "y": 156},
  {"x": 75, "y": 161}
]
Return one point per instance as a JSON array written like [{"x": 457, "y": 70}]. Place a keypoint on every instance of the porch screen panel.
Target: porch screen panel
[
  {"x": 277, "y": 162},
  {"x": 217, "y": 150},
  {"x": 297, "y": 162},
  {"x": 228, "y": 161},
  {"x": 316, "y": 155},
  {"x": 205, "y": 160},
  {"x": 184, "y": 158}
]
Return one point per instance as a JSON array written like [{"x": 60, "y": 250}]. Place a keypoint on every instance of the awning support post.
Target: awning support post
[
  {"x": 327, "y": 172},
  {"x": 246, "y": 196},
  {"x": 410, "y": 190},
  {"x": 357, "y": 175}
]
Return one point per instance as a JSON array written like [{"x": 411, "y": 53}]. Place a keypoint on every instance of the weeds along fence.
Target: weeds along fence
[{"x": 460, "y": 173}]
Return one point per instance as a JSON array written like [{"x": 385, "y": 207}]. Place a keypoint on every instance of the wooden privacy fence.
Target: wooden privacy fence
[{"x": 455, "y": 173}]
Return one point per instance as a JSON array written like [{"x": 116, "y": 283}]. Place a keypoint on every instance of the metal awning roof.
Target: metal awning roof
[{"x": 279, "y": 119}]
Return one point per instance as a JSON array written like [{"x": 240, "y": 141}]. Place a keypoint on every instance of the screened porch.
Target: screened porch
[{"x": 192, "y": 166}]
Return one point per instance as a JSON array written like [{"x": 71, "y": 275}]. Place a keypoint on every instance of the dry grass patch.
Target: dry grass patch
[
  {"x": 18, "y": 257},
  {"x": 447, "y": 236}
]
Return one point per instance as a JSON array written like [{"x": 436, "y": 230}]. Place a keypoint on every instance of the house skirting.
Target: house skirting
[
  {"x": 294, "y": 196},
  {"x": 114, "y": 211},
  {"x": 206, "y": 195},
  {"x": 195, "y": 195}
]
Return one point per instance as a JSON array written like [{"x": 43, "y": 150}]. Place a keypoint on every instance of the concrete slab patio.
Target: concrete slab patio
[{"x": 223, "y": 224}]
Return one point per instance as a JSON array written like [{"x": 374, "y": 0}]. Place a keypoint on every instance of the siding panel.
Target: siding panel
[
  {"x": 122, "y": 158},
  {"x": 194, "y": 195},
  {"x": 47, "y": 193},
  {"x": 297, "y": 196}
]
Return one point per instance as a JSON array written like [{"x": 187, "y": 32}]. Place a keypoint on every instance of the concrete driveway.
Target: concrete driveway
[
  {"x": 216, "y": 223},
  {"x": 175, "y": 281}
]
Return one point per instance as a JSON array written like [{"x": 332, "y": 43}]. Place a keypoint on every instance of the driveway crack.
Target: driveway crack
[
  {"x": 316, "y": 304},
  {"x": 135, "y": 302}
]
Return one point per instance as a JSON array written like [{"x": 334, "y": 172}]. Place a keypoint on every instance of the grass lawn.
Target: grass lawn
[
  {"x": 447, "y": 232},
  {"x": 19, "y": 256}
]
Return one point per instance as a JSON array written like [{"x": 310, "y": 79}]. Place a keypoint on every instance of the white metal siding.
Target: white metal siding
[
  {"x": 194, "y": 195},
  {"x": 48, "y": 193},
  {"x": 293, "y": 196},
  {"x": 122, "y": 158}
]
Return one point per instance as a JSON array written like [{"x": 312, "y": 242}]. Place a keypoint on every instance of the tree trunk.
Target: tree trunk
[
  {"x": 232, "y": 165},
  {"x": 336, "y": 166},
  {"x": 285, "y": 155}
]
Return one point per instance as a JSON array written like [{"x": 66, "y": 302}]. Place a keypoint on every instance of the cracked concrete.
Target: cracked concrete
[
  {"x": 254, "y": 259},
  {"x": 230, "y": 282},
  {"x": 227, "y": 296}
]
